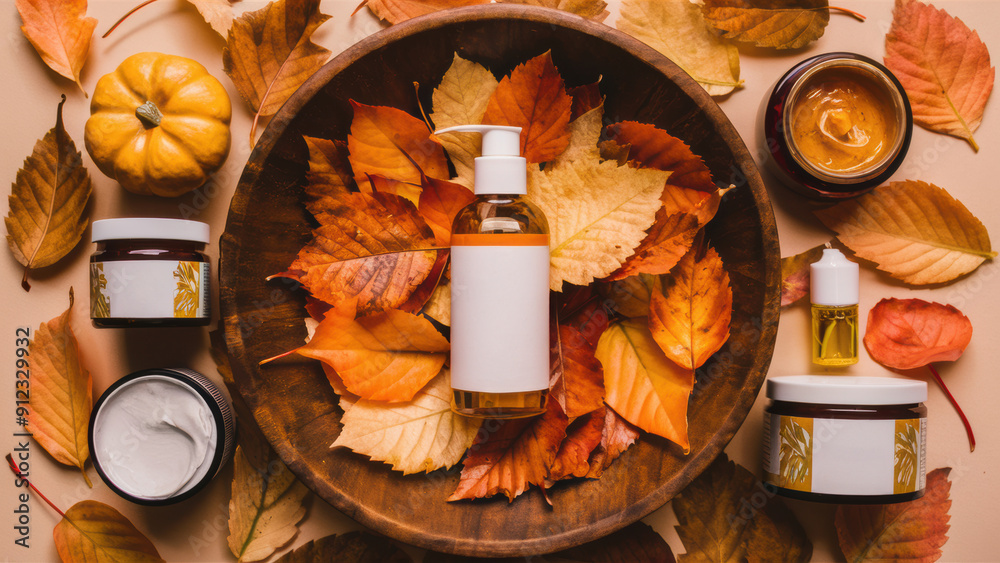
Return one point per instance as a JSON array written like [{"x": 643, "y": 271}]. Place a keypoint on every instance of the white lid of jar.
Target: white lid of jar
[
  {"x": 149, "y": 228},
  {"x": 846, "y": 390}
]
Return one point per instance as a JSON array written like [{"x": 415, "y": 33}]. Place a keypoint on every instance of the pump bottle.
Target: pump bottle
[
  {"x": 499, "y": 287},
  {"x": 833, "y": 291}
]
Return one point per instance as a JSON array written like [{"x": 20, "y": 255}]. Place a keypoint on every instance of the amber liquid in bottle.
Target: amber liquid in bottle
[
  {"x": 500, "y": 215},
  {"x": 835, "y": 335}
]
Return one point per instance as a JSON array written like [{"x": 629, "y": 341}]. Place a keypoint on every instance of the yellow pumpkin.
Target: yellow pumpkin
[{"x": 159, "y": 124}]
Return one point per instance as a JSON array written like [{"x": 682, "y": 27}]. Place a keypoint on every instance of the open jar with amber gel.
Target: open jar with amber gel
[
  {"x": 836, "y": 125},
  {"x": 846, "y": 439}
]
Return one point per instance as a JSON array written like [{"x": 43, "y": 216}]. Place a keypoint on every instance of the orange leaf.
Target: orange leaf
[
  {"x": 387, "y": 186},
  {"x": 373, "y": 247},
  {"x": 642, "y": 385},
  {"x": 329, "y": 171},
  {"x": 585, "y": 98},
  {"x": 439, "y": 202},
  {"x": 911, "y": 333},
  {"x": 651, "y": 147},
  {"x": 512, "y": 458},
  {"x": 534, "y": 98},
  {"x": 590, "y": 9},
  {"x": 389, "y": 142},
  {"x": 95, "y": 532},
  {"x": 573, "y": 458},
  {"x": 690, "y": 316},
  {"x": 60, "y": 32},
  {"x": 388, "y": 356},
  {"x": 61, "y": 393},
  {"x": 630, "y": 296},
  {"x": 703, "y": 205},
  {"x": 395, "y": 11},
  {"x": 909, "y": 531},
  {"x": 578, "y": 384},
  {"x": 665, "y": 244},
  {"x": 795, "y": 274},
  {"x": 422, "y": 294},
  {"x": 616, "y": 437},
  {"x": 944, "y": 67}
]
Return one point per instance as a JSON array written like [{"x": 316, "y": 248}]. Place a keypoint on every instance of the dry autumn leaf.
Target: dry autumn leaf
[
  {"x": 666, "y": 242},
  {"x": 781, "y": 24},
  {"x": 578, "y": 384},
  {"x": 943, "y": 66},
  {"x": 582, "y": 437},
  {"x": 370, "y": 247},
  {"x": 388, "y": 142},
  {"x": 585, "y": 98},
  {"x": 265, "y": 508},
  {"x": 590, "y": 9},
  {"x": 908, "y": 531},
  {"x": 677, "y": 29},
  {"x": 616, "y": 437},
  {"x": 461, "y": 99},
  {"x": 345, "y": 399},
  {"x": 689, "y": 317},
  {"x": 777, "y": 536},
  {"x": 641, "y": 384},
  {"x": 60, "y": 31},
  {"x": 913, "y": 230},
  {"x": 95, "y": 532},
  {"x": 329, "y": 169},
  {"x": 396, "y": 11},
  {"x": 534, "y": 98},
  {"x": 795, "y": 274},
  {"x": 47, "y": 201},
  {"x": 630, "y": 296},
  {"x": 61, "y": 393},
  {"x": 651, "y": 147},
  {"x": 439, "y": 202},
  {"x": 352, "y": 547},
  {"x": 438, "y": 306},
  {"x": 218, "y": 14},
  {"x": 911, "y": 333},
  {"x": 417, "y": 436}
]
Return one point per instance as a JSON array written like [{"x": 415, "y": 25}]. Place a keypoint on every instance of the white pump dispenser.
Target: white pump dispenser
[{"x": 501, "y": 169}]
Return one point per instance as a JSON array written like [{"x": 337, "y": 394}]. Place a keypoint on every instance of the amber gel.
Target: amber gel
[
  {"x": 833, "y": 290},
  {"x": 499, "y": 288}
]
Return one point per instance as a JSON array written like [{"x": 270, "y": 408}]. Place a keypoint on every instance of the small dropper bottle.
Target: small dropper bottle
[{"x": 833, "y": 291}]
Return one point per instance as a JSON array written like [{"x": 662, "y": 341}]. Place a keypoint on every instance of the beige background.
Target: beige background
[{"x": 195, "y": 530}]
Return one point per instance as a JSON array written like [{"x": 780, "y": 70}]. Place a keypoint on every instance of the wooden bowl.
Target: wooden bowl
[{"x": 267, "y": 225}]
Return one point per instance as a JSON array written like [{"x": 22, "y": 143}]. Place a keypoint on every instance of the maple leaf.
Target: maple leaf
[
  {"x": 913, "y": 230},
  {"x": 352, "y": 547},
  {"x": 417, "y": 436},
  {"x": 943, "y": 66},
  {"x": 781, "y": 24},
  {"x": 62, "y": 393},
  {"x": 533, "y": 97},
  {"x": 911, "y": 333},
  {"x": 911, "y": 531},
  {"x": 689, "y": 318},
  {"x": 396, "y": 11},
  {"x": 60, "y": 31},
  {"x": 677, "y": 29},
  {"x": 795, "y": 274},
  {"x": 217, "y": 13},
  {"x": 630, "y": 296},
  {"x": 48, "y": 201},
  {"x": 578, "y": 380},
  {"x": 389, "y": 142},
  {"x": 515, "y": 456},
  {"x": 641, "y": 384},
  {"x": 387, "y": 356},
  {"x": 582, "y": 437},
  {"x": 329, "y": 169},
  {"x": 590, "y": 9},
  {"x": 439, "y": 203},
  {"x": 373, "y": 247},
  {"x": 94, "y": 531},
  {"x": 461, "y": 99},
  {"x": 616, "y": 437}
]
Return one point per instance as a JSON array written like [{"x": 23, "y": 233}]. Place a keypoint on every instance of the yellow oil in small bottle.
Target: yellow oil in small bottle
[{"x": 834, "y": 335}]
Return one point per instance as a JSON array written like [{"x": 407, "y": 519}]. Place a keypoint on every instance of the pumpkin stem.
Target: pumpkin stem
[{"x": 149, "y": 115}]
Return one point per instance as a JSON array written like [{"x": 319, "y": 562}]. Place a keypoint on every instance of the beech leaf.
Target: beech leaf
[
  {"x": 345, "y": 399},
  {"x": 641, "y": 384},
  {"x": 911, "y": 333},
  {"x": 782, "y": 24},
  {"x": 269, "y": 52},
  {"x": 943, "y": 66},
  {"x": 461, "y": 99},
  {"x": 590, "y": 9},
  {"x": 417, "y": 436},
  {"x": 651, "y": 147},
  {"x": 60, "y": 31},
  {"x": 913, "y": 230},
  {"x": 329, "y": 169},
  {"x": 218, "y": 14},
  {"x": 630, "y": 296},
  {"x": 388, "y": 142},
  {"x": 62, "y": 395},
  {"x": 265, "y": 509},
  {"x": 95, "y": 532},
  {"x": 396, "y": 11},
  {"x": 908, "y": 531},
  {"x": 439, "y": 203},
  {"x": 47, "y": 202},
  {"x": 677, "y": 29},
  {"x": 666, "y": 242},
  {"x": 578, "y": 386},
  {"x": 795, "y": 274},
  {"x": 352, "y": 547},
  {"x": 616, "y": 437}
]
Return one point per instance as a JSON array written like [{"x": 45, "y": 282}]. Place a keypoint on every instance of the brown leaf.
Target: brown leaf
[
  {"x": 782, "y": 24},
  {"x": 512, "y": 458},
  {"x": 579, "y": 381},
  {"x": 534, "y": 98},
  {"x": 775, "y": 535},
  {"x": 911, "y": 333},
  {"x": 352, "y": 547},
  {"x": 582, "y": 437},
  {"x": 689, "y": 318},
  {"x": 439, "y": 202},
  {"x": 616, "y": 437},
  {"x": 666, "y": 242},
  {"x": 60, "y": 31},
  {"x": 62, "y": 393},
  {"x": 218, "y": 14},
  {"x": 269, "y": 52},
  {"x": 913, "y": 230},
  {"x": 585, "y": 98},
  {"x": 909, "y": 531},
  {"x": 329, "y": 169},
  {"x": 651, "y": 147},
  {"x": 630, "y": 296},
  {"x": 373, "y": 247},
  {"x": 703, "y": 205},
  {"x": 944, "y": 67},
  {"x": 95, "y": 532},
  {"x": 388, "y": 142},
  {"x": 584, "y": 311},
  {"x": 47, "y": 201},
  {"x": 422, "y": 294},
  {"x": 590, "y": 9},
  {"x": 396, "y": 11},
  {"x": 795, "y": 274}
]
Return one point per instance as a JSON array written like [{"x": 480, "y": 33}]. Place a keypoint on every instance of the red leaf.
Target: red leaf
[{"x": 911, "y": 333}]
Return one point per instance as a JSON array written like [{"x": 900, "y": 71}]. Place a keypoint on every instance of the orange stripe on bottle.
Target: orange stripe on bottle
[{"x": 499, "y": 239}]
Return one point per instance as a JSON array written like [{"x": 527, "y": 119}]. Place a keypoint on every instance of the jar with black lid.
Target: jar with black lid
[{"x": 149, "y": 272}]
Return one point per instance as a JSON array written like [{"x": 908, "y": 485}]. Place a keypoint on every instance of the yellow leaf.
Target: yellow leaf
[
  {"x": 61, "y": 393},
  {"x": 781, "y": 24},
  {"x": 419, "y": 435},
  {"x": 913, "y": 230},
  {"x": 60, "y": 32},
  {"x": 438, "y": 307},
  {"x": 461, "y": 99},
  {"x": 395, "y": 11},
  {"x": 47, "y": 203},
  {"x": 94, "y": 532},
  {"x": 590, "y": 9},
  {"x": 641, "y": 384},
  {"x": 677, "y": 29},
  {"x": 265, "y": 508},
  {"x": 218, "y": 14}
]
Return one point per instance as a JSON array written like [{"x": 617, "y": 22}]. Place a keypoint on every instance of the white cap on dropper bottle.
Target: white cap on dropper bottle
[
  {"x": 834, "y": 280},
  {"x": 501, "y": 169}
]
